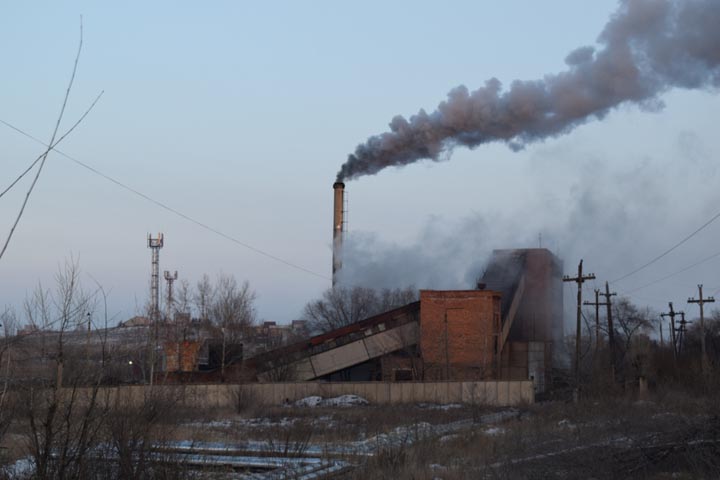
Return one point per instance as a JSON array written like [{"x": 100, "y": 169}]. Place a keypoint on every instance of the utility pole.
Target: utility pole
[
  {"x": 611, "y": 329},
  {"x": 672, "y": 313},
  {"x": 87, "y": 340},
  {"x": 702, "y": 301},
  {"x": 580, "y": 279},
  {"x": 597, "y": 303},
  {"x": 681, "y": 331},
  {"x": 169, "y": 279}
]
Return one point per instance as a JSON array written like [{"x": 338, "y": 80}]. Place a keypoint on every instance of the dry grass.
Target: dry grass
[
  {"x": 670, "y": 435},
  {"x": 675, "y": 435}
]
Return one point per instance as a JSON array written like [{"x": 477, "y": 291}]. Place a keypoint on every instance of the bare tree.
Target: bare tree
[
  {"x": 692, "y": 341},
  {"x": 183, "y": 298},
  {"x": 8, "y": 322},
  {"x": 389, "y": 298},
  {"x": 233, "y": 305},
  {"x": 631, "y": 323},
  {"x": 342, "y": 306},
  {"x": 63, "y": 418},
  {"x": 233, "y": 313},
  {"x": 203, "y": 297}
]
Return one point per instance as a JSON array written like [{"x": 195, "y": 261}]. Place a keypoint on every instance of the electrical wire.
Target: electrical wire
[
  {"x": 698, "y": 230},
  {"x": 40, "y": 157},
  {"x": 170, "y": 209},
  {"x": 715, "y": 255}
]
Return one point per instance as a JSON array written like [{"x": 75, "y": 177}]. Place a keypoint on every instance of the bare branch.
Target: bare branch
[{"x": 49, "y": 148}]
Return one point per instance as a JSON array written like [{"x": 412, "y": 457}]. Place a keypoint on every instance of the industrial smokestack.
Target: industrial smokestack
[
  {"x": 338, "y": 227},
  {"x": 647, "y": 47}
]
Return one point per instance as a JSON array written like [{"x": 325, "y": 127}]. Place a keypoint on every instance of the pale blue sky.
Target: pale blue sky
[{"x": 239, "y": 114}]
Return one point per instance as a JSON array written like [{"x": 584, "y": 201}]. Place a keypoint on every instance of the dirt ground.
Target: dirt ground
[
  {"x": 668, "y": 435},
  {"x": 665, "y": 436}
]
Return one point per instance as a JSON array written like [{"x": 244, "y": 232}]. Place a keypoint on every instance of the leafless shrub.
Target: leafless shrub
[
  {"x": 282, "y": 373},
  {"x": 246, "y": 401},
  {"x": 135, "y": 427},
  {"x": 291, "y": 440}
]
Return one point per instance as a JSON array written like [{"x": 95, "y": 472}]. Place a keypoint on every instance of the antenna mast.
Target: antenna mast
[{"x": 155, "y": 244}]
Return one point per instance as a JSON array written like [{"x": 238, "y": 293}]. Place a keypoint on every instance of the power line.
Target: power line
[
  {"x": 168, "y": 208},
  {"x": 40, "y": 157},
  {"x": 675, "y": 273},
  {"x": 702, "y": 227}
]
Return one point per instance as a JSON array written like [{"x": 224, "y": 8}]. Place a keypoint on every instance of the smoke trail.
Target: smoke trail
[{"x": 648, "y": 47}]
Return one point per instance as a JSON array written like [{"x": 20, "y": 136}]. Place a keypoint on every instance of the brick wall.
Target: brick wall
[
  {"x": 188, "y": 356},
  {"x": 458, "y": 333}
]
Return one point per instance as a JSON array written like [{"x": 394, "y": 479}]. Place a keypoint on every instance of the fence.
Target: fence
[{"x": 491, "y": 393}]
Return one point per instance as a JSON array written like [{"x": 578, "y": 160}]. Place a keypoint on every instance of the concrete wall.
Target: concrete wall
[{"x": 493, "y": 393}]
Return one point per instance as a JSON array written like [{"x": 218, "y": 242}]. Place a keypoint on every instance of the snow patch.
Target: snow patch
[
  {"x": 435, "y": 406},
  {"x": 345, "y": 401},
  {"x": 22, "y": 468},
  {"x": 341, "y": 401},
  {"x": 494, "y": 431},
  {"x": 565, "y": 423},
  {"x": 312, "y": 401},
  {"x": 265, "y": 422}
]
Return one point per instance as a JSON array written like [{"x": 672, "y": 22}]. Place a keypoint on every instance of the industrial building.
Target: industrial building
[{"x": 507, "y": 328}]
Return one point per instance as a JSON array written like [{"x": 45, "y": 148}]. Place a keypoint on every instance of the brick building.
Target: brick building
[{"x": 458, "y": 333}]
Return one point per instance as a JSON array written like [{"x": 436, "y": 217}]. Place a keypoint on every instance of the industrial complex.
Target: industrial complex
[{"x": 508, "y": 327}]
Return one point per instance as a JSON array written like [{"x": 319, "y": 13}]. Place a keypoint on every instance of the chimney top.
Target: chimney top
[{"x": 337, "y": 185}]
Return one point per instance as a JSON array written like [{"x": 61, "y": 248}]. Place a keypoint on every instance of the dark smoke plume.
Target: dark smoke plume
[{"x": 647, "y": 47}]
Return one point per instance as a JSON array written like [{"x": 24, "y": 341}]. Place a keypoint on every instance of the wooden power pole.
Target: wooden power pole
[
  {"x": 597, "y": 303},
  {"x": 681, "y": 332},
  {"x": 672, "y": 314},
  {"x": 611, "y": 329},
  {"x": 702, "y": 301},
  {"x": 580, "y": 279}
]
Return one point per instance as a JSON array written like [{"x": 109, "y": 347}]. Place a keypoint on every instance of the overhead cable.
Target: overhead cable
[{"x": 170, "y": 209}]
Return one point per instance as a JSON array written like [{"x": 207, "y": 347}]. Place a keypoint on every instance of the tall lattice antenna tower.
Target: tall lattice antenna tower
[
  {"x": 155, "y": 244},
  {"x": 169, "y": 279}
]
